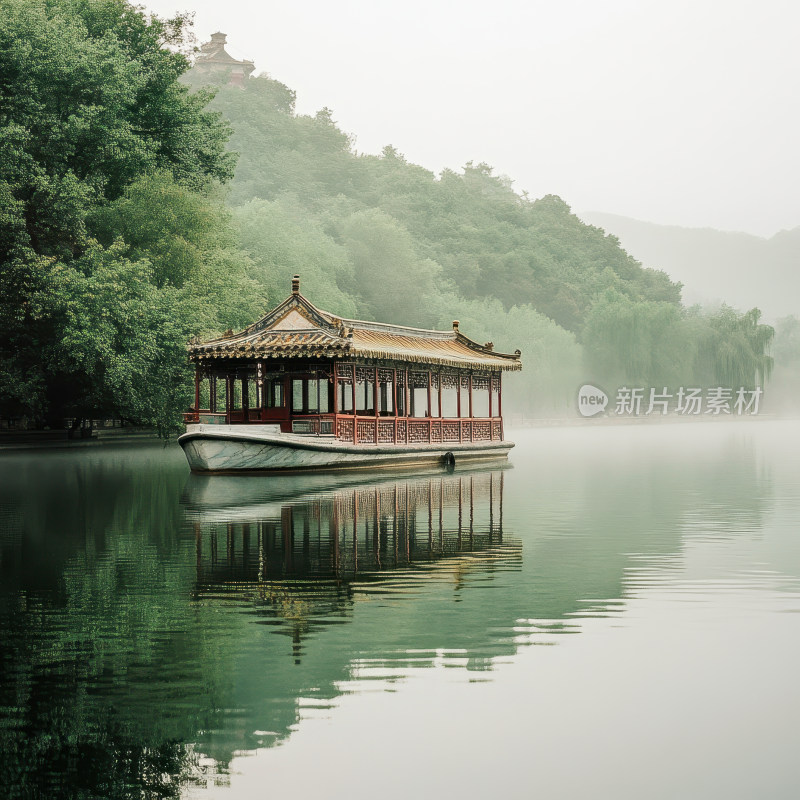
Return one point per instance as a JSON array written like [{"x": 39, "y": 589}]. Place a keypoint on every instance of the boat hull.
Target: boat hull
[{"x": 229, "y": 448}]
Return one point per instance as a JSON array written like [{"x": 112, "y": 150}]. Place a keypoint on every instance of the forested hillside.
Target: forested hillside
[
  {"x": 468, "y": 231},
  {"x": 386, "y": 239}
]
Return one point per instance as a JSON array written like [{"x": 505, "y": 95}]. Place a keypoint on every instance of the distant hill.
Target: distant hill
[{"x": 739, "y": 269}]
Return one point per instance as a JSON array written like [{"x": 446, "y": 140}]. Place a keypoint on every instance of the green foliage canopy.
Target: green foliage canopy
[{"x": 110, "y": 227}]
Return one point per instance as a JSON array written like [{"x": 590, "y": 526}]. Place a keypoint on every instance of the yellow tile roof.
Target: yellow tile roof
[{"x": 278, "y": 335}]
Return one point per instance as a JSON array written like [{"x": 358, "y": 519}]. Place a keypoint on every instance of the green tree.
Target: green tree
[
  {"x": 645, "y": 343},
  {"x": 281, "y": 240},
  {"x": 98, "y": 140},
  {"x": 390, "y": 277},
  {"x": 736, "y": 348},
  {"x": 784, "y": 395}
]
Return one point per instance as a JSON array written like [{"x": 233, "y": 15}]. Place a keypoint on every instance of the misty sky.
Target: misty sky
[{"x": 682, "y": 112}]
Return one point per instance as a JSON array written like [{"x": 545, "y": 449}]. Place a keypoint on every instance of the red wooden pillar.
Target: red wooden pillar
[
  {"x": 458, "y": 409},
  {"x": 500, "y": 401},
  {"x": 197, "y": 392},
  {"x": 375, "y": 403},
  {"x": 430, "y": 409},
  {"x": 406, "y": 407},
  {"x": 394, "y": 402},
  {"x": 491, "y": 391},
  {"x": 472, "y": 424},
  {"x": 335, "y": 401},
  {"x": 440, "y": 394},
  {"x": 355, "y": 416}
]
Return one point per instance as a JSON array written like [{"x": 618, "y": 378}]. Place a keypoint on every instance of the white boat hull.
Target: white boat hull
[{"x": 236, "y": 448}]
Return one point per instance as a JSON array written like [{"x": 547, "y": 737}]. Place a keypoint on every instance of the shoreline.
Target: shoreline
[
  {"x": 11, "y": 441},
  {"x": 57, "y": 440}
]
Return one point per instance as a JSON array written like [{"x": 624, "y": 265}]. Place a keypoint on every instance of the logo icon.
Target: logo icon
[{"x": 591, "y": 400}]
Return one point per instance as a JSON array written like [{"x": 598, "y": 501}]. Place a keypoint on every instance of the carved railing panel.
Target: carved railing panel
[
  {"x": 366, "y": 431},
  {"x": 385, "y": 431},
  {"x": 450, "y": 431},
  {"x": 417, "y": 432},
  {"x": 344, "y": 430},
  {"x": 481, "y": 431}
]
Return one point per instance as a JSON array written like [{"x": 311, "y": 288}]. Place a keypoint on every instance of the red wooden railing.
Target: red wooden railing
[
  {"x": 372, "y": 430},
  {"x": 416, "y": 430}
]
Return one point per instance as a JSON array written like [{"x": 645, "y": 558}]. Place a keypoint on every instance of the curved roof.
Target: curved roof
[{"x": 298, "y": 329}]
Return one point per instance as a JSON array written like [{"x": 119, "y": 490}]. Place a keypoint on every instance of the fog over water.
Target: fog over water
[{"x": 679, "y": 113}]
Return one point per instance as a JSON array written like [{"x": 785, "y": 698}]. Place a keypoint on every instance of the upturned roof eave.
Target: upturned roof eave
[{"x": 339, "y": 334}]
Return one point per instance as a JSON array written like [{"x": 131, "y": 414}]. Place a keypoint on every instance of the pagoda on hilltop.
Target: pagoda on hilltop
[{"x": 214, "y": 62}]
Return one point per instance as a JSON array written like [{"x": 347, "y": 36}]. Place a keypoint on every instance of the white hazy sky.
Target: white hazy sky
[{"x": 682, "y": 112}]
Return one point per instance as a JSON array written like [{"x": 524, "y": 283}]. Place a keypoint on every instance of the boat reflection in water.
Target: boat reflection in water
[{"x": 296, "y": 535}]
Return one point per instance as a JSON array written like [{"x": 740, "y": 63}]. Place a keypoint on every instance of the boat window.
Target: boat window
[
  {"x": 365, "y": 393},
  {"x": 386, "y": 398},
  {"x": 220, "y": 398},
  {"x": 418, "y": 394},
  {"x": 205, "y": 394},
  {"x": 345, "y": 396},
  {"x": 237, "y": 395},
  {"x": 480, "y": 397},
  {"x": 401, "y": 394},
  {"x": 318, "y": 402},
  {"x": 297, "y": 395},
  {"x": 449, "y": 401},
  {"x": 418, "y": 397},
  {"x": 250, "y": 393},
  {"x": 273, "y": 392}
]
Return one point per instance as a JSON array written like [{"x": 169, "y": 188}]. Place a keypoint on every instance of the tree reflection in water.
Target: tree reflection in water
[{"x": 152, "y": 626}]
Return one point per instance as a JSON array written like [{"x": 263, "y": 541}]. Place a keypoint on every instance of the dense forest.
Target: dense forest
[{"x": 140, "y": 207}]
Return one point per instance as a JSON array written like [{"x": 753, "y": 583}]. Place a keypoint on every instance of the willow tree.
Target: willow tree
[
  {"x": 645, "y": 343},
  {"x": 736, "y": 348}
]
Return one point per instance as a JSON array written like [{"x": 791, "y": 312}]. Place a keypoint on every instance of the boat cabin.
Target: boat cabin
[{"x": 312, "y": 372}]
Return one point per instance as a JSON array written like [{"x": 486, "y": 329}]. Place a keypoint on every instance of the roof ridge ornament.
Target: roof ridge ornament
[{"x": 296, "y": 284}]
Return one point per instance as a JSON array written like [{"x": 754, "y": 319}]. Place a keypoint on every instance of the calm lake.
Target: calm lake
[{"x": 615, "y": 615}]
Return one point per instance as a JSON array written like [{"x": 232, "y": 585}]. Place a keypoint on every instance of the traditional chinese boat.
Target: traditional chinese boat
[{"x": 303, "y": 389}]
